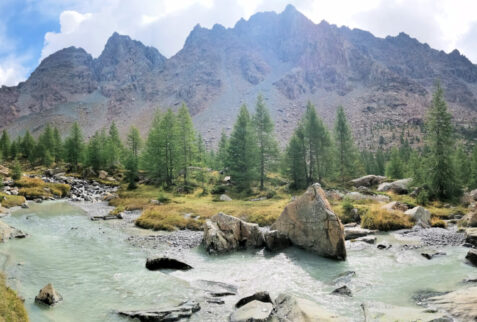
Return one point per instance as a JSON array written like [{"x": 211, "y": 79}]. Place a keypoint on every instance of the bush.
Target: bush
[
  {"x": 384, "y": 220},
  {"x": 163, "y": 198},
  {"x": 218, "y": 190},
  {"x": 33, "y": 193},
  {"x": 437, "y": 222},
  {"x": 16, "y": 170},
  {"x": 422, "y": 197},
  {"x": 270, "y": 194}
]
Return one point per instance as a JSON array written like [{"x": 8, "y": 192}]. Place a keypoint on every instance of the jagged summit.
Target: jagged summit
[{"x": 383, "y": 83}]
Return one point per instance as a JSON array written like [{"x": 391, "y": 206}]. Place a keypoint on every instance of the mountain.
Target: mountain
[{"x": 385, "y": 85}]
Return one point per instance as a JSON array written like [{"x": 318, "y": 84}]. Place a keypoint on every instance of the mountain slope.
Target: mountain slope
[{"x": 384, "y": 84}]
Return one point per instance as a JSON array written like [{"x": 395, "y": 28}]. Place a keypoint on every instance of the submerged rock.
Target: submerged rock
[
  {"x": 460, "y": 304},
  {"x": 223, "y": 233},
  {"x": 472, "y": 256},
  {"x": 367, "y": 239},
  {"x": 309, "y": 222},
  {"x": 420, "y": 215},
  {"x": 48, "y": 295},
  {"x": 275, "y": 240},
  {"x": 254, "y": 311},
  {"x": 368, "y": 181},
  {"x": 384, "y": 245},
  {"x": 9, "y": 232},
  {"x": 431, "y": 256},
  {"x": 259, "y": 296},
  {"x": 292, "y": 308},
  {"x": 177, "y": 313},
  {"x": 343, "y": 290},
  {"x": 344, "y": 277},
  {"x": 215, "y": 289},
  {"x": 154, "y": 264}
]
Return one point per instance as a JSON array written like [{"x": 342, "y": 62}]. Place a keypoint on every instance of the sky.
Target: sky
[{"x": 30, "y": 30}]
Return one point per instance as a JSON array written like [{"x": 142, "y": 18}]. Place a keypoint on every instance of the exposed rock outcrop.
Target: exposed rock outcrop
[
  {"x": 223, "y": 233},
  {"x": 471, "y": 236},
  {"x": 275, "y": 240},
  {"x": 259, "y": 296},
  {"x": 309, "y": 222},
  {"x": 48, "y": 295},
  {"x": 470, "y": 220}
]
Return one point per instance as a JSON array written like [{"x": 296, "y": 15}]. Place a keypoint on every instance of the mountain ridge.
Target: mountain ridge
[{"x": 384, "y": 83}]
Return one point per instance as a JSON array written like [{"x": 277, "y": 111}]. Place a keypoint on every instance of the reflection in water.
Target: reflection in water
[{"x": 98, "y": 272}]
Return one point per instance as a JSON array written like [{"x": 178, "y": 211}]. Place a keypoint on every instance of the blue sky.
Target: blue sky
[{"x": 30, "y": 30}]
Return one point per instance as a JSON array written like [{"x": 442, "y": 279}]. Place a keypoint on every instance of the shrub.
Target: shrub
[
  {"x": 382, "y": 219},
  {"x": 27, "y": 182},
  {"x": 163, "y": 198},
  {"x": 422, "y": 197},
  {"x": 33, "y": 192},
  {"x": 16, "y": 170},
  {"x": 270, "y": 194},
  {"x": 218, "y": 190}
]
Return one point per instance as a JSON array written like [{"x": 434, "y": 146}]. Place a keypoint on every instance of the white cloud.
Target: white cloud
[{"x": 12, "y": 70}]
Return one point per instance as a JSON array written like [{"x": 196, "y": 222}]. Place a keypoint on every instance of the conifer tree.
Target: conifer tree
[
  {"x": 16, "y": 170},
  {"x": 201, "y": 157},
  {"x": 5, "y": 144},
  {"x": 74, "y": 147},
  {"x": 439, "y": 135},
  {"x": 463, "y": 166},
  {"x": 186, "y": 142},
  {"x": 242, "y": 151},
  {"x": 294, "y": 161},
  {"x": 346, "y": 158},
  {"x": 27, "y": 147},
  {"x": 267, "y": 146},
  {"x": 57, "y": 145},
  {"x": 134, "y": 142},
  {"x": 380, "y": 162},
  {"x": 113, "y": 146},
  {"x": 394, "y": 168},
  {"x": 95, "y": 151},
  {"x": 221, "y": 156},
  {"x": 473, "y": 168}
]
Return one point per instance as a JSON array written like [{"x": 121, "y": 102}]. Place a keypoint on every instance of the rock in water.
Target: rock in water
[
  {"x": 310, "y": 223},
  {"x": 472, "y": 256},
  {"x": 420, "y": 215},
  {"x": 253, "y": 311},
  {"x": 275, "y": 240},
  {"x": 259, "y": 296},
  {"x": 471, "y": 236},
  {"x": 460, "y": 304},
  {"x": 291, "y": 308},
  {"x": 343, "y": 290},
  {"x": 154, "y": 264},
  {"x": 223, "y": 233},
  {"x": 8, "y": 232},
  {"x": 356, "y": 232},
  {"x": 177, "y": 313},
  {"x": 48, "y": 295}
]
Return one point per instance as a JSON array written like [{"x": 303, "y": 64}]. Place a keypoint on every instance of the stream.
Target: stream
[{"x": 98, "y": 271}]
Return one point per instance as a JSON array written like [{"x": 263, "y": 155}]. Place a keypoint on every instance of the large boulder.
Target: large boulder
[
  {"x": 420, "y": 215},
  {"x": 291, "y": 308},
  {"x": 8, "y": 232},
  {"x": 223, "y": 233},
  {"x": 102, "y": 174},
  {"x": 259, "y": 296},
  {"x": 48, "y": 295},
  {"x": 254, "y": 311},
  {"x": 357, "y": 232},
  {"x": 470, "y": 220},
  {"x": 368, "y": 181},
  {"x": 460, "y": 304},
  {"x": 177, "y": 313},
  {"x": 472, "y": 256},
  {"x": 398, "y": 186},
  {"x": 309, "y": 222},
  {"x": 471, "y": 236},
  {"x": 275, "y": 240}
]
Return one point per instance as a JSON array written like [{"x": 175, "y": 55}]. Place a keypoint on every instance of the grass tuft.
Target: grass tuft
[
  {"x": 378, "y": 218},
  {"x": 11, "y": 306}
]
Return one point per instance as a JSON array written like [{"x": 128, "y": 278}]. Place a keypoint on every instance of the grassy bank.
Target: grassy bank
[{"x": 11, "y": 306}]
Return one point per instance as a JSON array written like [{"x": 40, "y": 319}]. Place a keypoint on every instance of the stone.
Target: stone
[
  {"x": 48, "y": 295},
  {"x": 254, "y": 311},
  {"x": 384, "y": 245},
  {"x": 7, "y": 232},
  {"x": 344, "y": 277},
  {"x": 356, "y": 196},
  {"x": 334, "y": 195},
  {"x": 24, "y": 205},
  {"x": 356, "y": 232},
  {"x": 223, "y": 233},
  {"x": 275, "y": 240},
  {"x": 102, "y": 174},
  {"x": 367, "y": 239},
  {"x": 310, "y": 223},
  {"x": 177, "y": 313},
  {"x": 259, "y": 296},
  {"x": 154, "y": 264},
  {"x": 343, "y": 290},
  {"x": 291, "y": 308},
  {"x": 224, "y": 197},
  {"x": 473, "y": 194},
  {"x": 368, "y": 181},
  {"x": 431, "y": 256},
  {"x": 420, "y": 215},
  {"x": 470, "y": 220},
  {"x": 472, "y": 256},
  {"x": 395, "y": 205},
  {"x": 398, "y": 186},
  {"x": 215, "y": 289},
  {"x": 461, "y": 304},
  {"x": 4, "y": 171},
  {"x": 471, "y": 236}
]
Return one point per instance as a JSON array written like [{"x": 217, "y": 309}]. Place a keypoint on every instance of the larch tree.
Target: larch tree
[
  {"x": 186, "y": 141},
  {"x": 74, "y": 146},
  {"x": 345, "y": 151}
]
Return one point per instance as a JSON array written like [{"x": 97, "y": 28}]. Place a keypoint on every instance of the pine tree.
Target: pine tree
[
  {"x": 394, "y": 168},
  {"x": 345, "y": 150},
  {"x": 221, "y": 156},
  {"x": 186, "y": 142},
  {"x": 380, "y": 162},
  {"x": 201, "y": 156},
  {"x": 267, "y": 146},
  {"x": 5, "y": 144},
  {"x": 57, "y": 145},
  {"x": 294, "y": 159},
  {"x": 439, "y": 135},
  {"x": 27, "y": 146},
  {"x": 113, "y": 146},
  {"x": 473, "y": 168},
  {"x": 242, "y": 151},
  {"x": 16, "y": 170},
  {"x": 463, "y": 166},
  {"x": 45, "y": 145},
  {"x": 74, "y": 147},
  {"x": 134, "y": 142},
  {"x": 96, "y": 157}
]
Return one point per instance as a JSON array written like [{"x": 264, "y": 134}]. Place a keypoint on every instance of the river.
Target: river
[{"x": 98, "y": 271}]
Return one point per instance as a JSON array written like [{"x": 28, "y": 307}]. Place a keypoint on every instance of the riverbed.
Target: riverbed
[{"x": 98, "y": 271}]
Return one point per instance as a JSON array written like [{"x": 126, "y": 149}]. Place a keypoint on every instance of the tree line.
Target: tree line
[{"x": 251, "y": 152}]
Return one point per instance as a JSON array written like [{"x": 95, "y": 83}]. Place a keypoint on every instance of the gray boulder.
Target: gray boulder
[
  {"x": 470, "y": 220},
  {"x": 357, "y": 232},
  {"x": 420, "y": 215},
  {"x": 259, "y": 296},
  {"x": 309, "y": 222},
  {"x": 224, "y": 197},
  {"x": 254, "y": 311},
  {"x": 460, "y": 304},
  {"x": 7, "y": 232},
  {"x": 48, "y": 295},
  {"x": 472, "y": 256},
  {"x": 471, "y": 236},
  {"x": 223, "y": 233},
  {"x": 275, "y": 240},
  {"x": 368, "y": 181},
  {"x": 343, "y": 290},
  {"x": 292, "y": 308},
  {"x": 398, "y": 186},
  {"x": 177, "y": 313}
]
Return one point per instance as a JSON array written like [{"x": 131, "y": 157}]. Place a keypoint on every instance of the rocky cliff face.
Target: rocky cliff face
[{"x": 385, "y": 84}]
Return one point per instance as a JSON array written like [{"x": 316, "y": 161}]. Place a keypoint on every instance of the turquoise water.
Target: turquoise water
[{"x": 98, "y": 272}]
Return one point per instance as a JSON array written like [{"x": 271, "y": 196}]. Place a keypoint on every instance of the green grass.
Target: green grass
[
  {"x": 378, "y": 218},
  {"x": 33, "y": 188},
  {"x": 8, "y": 201},
  {"x": 11, "y": 306}
]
